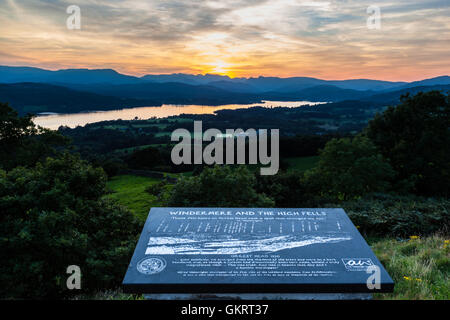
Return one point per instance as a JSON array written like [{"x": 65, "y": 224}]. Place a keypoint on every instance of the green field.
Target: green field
[
  {"x": 130, "y": 192},
  {"x": 301, "y": 163},
  {"x": 148, "y": 123},
  {"x": 132, "y": 149}
]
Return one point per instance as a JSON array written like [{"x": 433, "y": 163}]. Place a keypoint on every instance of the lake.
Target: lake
[{"x": 54, "y": 121}]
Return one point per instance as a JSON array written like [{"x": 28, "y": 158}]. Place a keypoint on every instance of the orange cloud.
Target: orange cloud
[{"x": 325, "y": 39}]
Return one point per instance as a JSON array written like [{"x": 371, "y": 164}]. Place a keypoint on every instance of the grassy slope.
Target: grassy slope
[
  {"x": 420, "y": 268},
  {"x": 130, "y": 192}
]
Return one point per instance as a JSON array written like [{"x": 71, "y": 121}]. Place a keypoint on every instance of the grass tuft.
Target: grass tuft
[{"x": 419, "y": 267}]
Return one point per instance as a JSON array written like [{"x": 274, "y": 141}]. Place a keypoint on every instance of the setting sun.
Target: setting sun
[{"x": 219, "y": 67}]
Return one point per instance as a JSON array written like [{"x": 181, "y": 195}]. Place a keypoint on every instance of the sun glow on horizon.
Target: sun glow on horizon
[{"x": 218, "y": 67}]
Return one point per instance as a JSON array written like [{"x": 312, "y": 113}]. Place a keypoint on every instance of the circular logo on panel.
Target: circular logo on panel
[{"x": 151, "y": 265}]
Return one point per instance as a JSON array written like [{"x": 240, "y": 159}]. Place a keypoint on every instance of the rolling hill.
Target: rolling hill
[
  {"x": 39, "y": 97},
  {"x": 36, "y": 90}
]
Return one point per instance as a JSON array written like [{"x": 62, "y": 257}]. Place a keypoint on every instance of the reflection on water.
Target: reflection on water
[{"x": 53, "y": 121}]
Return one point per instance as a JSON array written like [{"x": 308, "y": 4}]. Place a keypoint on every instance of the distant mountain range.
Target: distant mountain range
[
  {"x": 74, "y": 76},
  {"x": 31, "y": 89}
]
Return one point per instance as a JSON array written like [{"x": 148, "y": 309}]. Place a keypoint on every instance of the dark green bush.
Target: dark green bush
[
  {"x": 348, "y": 169},
  {"x": 113, "y": 166},
  {"x": 156, "y": 188},
  {"x": 400, "y": 216},
  {"x": 53, "y": 216},
  {"x": 288, "y": 189},
  {"x": 221, "y": 186},
  {"x": 144, "y": 159},
  {"x": 414, "y": 136}
]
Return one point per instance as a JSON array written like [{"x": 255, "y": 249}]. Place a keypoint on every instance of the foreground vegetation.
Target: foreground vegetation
[
  {"x": 301, "y": 163},
  {"x": 54, "y": 215},
  {"x": 419, "y": 267},
  {"x": 59, "y": 207},
  {"x": 130, "y": 192}
]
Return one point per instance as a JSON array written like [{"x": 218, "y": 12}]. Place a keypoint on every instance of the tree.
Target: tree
[
  {"x": 288, "y": 189},
  {"x": 52, "y": 216},
  {"x": 415, "y": 137},
  {"x": 146, "y": 158},
  {"x": 220, "y": 186},
  {"x": 22, "y": 142},
  {"x": 349, "y": 168}
]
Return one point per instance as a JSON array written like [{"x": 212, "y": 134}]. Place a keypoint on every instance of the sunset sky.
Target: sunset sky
[{"x": 324, "y": 39}]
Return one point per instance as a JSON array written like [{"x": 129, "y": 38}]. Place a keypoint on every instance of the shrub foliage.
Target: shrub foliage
[
  {"x": 53, "y": 216},
  {"x": 400, "y": 216},
  {"x": 414, "y": 136},
  {"x": 221, "y": 186},
  {"x": 349, "y": 168}
]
